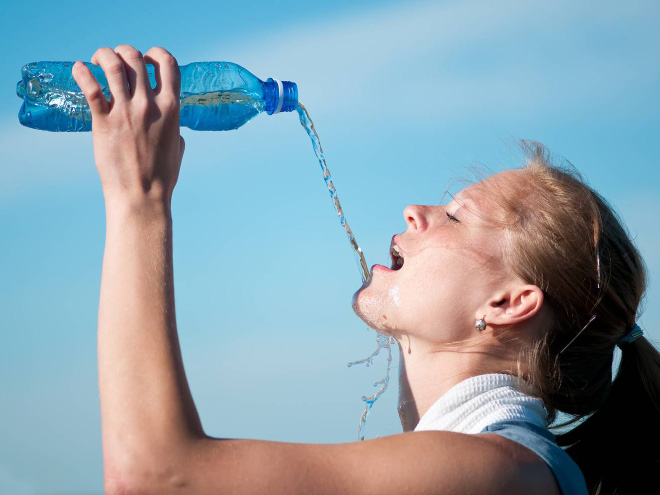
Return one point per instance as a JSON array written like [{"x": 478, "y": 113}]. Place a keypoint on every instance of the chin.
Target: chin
[{"x": 369, "y": 308}]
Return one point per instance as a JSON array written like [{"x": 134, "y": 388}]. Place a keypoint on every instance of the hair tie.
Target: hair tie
[
  {"x": 578, "y": 334},
  {"x": 634, "y": 334}
]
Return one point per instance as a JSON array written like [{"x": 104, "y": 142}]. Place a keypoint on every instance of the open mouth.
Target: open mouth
[{"x": 397, "y": 257}]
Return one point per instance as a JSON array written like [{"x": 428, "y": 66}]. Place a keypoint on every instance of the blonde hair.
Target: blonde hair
[{"x": 563, "y": 237}]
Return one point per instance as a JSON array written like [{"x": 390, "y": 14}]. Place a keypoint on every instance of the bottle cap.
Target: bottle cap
[{"x": 280, "y": 96}]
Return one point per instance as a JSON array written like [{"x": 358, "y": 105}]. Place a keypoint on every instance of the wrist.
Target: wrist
[{"x": 140, "y": 207}]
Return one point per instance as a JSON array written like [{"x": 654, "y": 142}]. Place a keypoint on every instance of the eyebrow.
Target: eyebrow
[
  {"x": 471, "y": 208},
  {"x": 463, "y": 200}
]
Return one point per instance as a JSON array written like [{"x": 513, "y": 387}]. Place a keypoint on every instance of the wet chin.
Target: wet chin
[{"x": 370, "y": 310}]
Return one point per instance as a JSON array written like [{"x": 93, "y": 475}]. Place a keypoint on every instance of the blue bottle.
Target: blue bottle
[{"x": 215, "y": 96}]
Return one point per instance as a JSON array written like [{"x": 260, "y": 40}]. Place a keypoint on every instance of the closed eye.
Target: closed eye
[{"x": 451, "y": 217}]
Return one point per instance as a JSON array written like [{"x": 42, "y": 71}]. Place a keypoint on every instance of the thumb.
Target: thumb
[{"x": 182, "y": 147}]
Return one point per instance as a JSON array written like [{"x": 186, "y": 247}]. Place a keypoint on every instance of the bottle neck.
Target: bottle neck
[{"x": 280, "y": 96}]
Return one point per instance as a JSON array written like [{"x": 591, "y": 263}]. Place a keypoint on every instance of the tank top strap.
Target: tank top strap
[{"x": 542, "y": 442}]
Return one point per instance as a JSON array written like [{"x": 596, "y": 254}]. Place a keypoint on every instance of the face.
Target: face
[{"x": 452, "y": 266}]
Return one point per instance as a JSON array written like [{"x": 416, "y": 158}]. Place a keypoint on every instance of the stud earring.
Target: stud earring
[{"x": 481, "y": 324}]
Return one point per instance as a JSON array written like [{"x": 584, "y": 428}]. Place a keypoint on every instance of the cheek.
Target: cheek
[
  {"x": 423, "y": 299},
  {"x": 394, "y": 296}
]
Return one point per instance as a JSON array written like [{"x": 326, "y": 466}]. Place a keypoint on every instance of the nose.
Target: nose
[{"x": 416, "y": 218}]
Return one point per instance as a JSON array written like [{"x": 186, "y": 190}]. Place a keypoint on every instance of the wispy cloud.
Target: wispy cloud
[{"x": 439, "y": 58}]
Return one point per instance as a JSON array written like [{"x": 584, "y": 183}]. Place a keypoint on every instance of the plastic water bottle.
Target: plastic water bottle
[{"x": 215, "y": 96}]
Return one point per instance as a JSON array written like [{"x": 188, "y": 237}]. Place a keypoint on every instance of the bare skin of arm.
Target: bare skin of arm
[{"x": 153, "y": 441}]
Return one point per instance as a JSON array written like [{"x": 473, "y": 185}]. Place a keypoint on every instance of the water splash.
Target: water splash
[{"x": 382, "y": 341}]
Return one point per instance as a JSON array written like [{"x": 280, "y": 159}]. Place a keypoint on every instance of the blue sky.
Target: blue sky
[{"x": 405, "y": 96}]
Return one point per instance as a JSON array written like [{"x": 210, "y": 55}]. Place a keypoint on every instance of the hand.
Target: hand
[{"x": 137, "y": 145}]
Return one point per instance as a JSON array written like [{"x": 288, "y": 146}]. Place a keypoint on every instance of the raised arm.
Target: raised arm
[
  {"x": 146, "y": 405},
  {"x": 153, "y": 442}
]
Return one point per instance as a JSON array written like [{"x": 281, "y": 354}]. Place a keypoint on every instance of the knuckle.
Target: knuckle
[
  {"x": 95, "y": 94},
  {"x": 103, "y": 50},
  {"x": 142, "y": 106},
  {"x": 124, "y": 46},
  {"x": 114, "y": 68},
  {"x": 170, "y": 104},
  {"x": 160, "y": 50},
  {"x": 129, "y": 52},
  {"x": 162, "y": 55}
]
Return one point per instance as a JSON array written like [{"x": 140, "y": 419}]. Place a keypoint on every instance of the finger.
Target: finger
[
  {"x": 136, "y": 72},
  {"x": 90, "y": 88},
  {"x": 113, "y": 67},
  {"x": 168, "y": 75}
]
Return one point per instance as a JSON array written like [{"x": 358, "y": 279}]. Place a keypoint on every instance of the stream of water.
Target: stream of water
[{"x": 382, "y": 341}]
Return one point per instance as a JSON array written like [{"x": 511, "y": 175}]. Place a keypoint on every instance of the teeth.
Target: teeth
[{"x": 397, "y": 259}]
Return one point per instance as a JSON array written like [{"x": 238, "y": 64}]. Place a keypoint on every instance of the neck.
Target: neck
[{"x": 426, "y": 373}]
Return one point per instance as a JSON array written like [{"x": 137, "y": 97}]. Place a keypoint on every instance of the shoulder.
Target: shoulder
[
  {"x": 530, "y": 470},
  {"x": 492, "y": 463},
  {"x": 466, "y": 463},
  {"x": 542, "y": 443}
]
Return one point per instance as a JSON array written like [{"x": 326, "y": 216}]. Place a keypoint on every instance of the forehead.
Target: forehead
[
  {"x": 485, "y": 198},
  {"x": 502, "y": 182}
]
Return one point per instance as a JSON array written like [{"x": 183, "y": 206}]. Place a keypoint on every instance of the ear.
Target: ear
[{"x": 515, "y": 306}]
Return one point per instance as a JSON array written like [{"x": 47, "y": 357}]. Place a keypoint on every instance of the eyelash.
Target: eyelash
[{"x": 451, "y": 217}]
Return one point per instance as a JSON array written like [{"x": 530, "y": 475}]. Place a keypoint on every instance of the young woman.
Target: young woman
[{"x": 507, "y": 305}]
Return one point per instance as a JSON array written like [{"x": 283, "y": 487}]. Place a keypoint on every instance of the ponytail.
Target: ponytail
[
  {"x": 563, "y": 237},
  {"x": 618, "y": 446}
]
